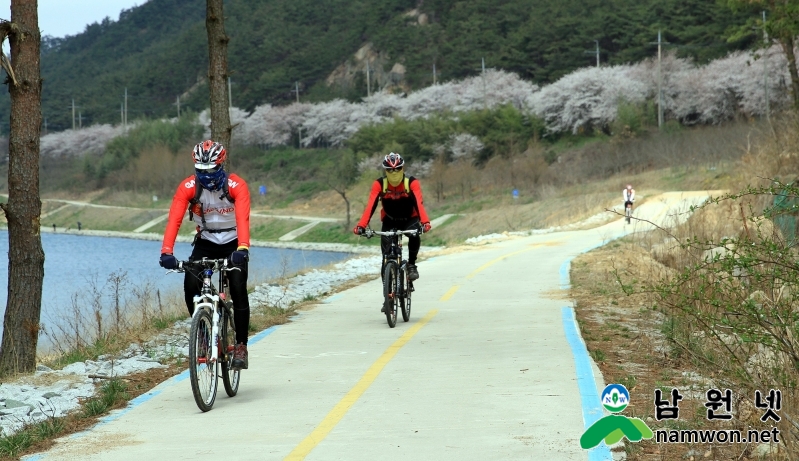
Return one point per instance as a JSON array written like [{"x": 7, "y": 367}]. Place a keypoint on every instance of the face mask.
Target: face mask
[
  {"x": 394, "y": 177},
  {"x": 211, "y": 181}
]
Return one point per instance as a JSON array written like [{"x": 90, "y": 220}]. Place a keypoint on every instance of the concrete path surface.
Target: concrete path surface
[
  {"x": 485, "y": 369},
  {"x": 289, "y": 236}
]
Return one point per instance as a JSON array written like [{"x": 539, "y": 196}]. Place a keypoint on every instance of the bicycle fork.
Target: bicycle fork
[{"x": 210, "y": 302}]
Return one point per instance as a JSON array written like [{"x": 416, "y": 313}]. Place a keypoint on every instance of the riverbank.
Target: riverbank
[{"x": 289, "y": 245}]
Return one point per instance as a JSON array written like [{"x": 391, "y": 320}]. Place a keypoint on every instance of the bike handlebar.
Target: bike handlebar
[
  {"x": 222, "y": 264},
  {"x": 369, "y": 232}
]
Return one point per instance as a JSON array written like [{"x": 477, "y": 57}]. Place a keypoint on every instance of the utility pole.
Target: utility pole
[
  {"x": 229, "y": 94},
  {"x": 125, "y": 113},
  {"x": 368, "y": 80},
  {"x": 765, "y": 68},
  {"x": 73, "y": 114},
  {"x": 485, "y": 103},
  {"x": 660, "y": 82},
  {"x": 434, "y": 73},
  {"x": 299, "y": 128},
  {"x": 122, "y": 113},
  {"x": 660, "y": 44},
  {"x": 178, "y": 103},
  {"x": 595, "y": 52}
]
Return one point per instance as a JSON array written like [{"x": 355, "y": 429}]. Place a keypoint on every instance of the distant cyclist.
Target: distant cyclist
[
  {"x": 222, "y": 203},
  {"x": 403, "y": 208},
  {"x": 628, "y": 194}
]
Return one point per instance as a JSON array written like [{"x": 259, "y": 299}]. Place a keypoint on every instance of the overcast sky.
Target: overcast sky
[{"x": 60, "y": 18}]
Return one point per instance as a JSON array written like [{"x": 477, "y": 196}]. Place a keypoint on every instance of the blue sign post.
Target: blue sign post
[
  {"x": 515, "y": 194},
  {"x": 262, "y": 190}
]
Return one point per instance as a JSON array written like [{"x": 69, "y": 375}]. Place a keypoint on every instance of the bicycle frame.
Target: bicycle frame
[
  {"x": 395, "y": 250},
  {"x": 209, "y": 296},
  {"x": 211, "y": 326},
  {"x": 397, "y": 286}
]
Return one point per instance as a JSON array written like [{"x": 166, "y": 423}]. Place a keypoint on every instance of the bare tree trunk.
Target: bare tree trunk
[
  {"x": 347, "y": 201},
  {"x": 788, "y": 46},
  {"x": 23, "y": 210},
  {"x": 217, "y": 72}
]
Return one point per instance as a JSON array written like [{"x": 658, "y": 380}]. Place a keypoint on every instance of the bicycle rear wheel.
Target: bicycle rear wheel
[
  {"x": 627, "y": 213},
  {"x": 230, "y": 375},
  {"x": 390, "y": 295},
  {"x": 405, "y": 299},
  {"x": 202, "y": 371}
]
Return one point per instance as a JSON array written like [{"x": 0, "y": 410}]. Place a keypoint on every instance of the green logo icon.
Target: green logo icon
[
  {"x": 613, "y": 428},
  {"x": 615, "y": 398}
]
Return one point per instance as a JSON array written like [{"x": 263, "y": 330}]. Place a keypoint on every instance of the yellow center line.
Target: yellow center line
[
  {"x": 343, "y": 406},
  {"x": 492, "y": 262},
  {"x": 449, "y": 293}
]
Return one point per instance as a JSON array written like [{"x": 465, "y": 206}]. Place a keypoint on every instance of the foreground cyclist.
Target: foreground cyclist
[
  {"x": 403, "y": 208},
  {"x": 222, "y": 203}
]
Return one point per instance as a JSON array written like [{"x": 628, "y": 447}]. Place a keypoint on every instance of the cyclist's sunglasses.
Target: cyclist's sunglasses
[
  {"x": 394, "y": 169},
  {"x": 207, "y": 168}
]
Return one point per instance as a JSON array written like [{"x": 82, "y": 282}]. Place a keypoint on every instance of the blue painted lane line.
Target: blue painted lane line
[
  {"x": 565, "y": 283},
  {"x": 146, "y": 397},
  {"x": 332, "y": 298},
  {"x": 592, "y": 409}
]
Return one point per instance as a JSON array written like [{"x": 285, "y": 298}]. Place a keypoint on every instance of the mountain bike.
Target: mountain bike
[
  {"x": 628, "y": 210},
  {"x": 397, "y": 287},
  {"x": 213, "y": 334}
]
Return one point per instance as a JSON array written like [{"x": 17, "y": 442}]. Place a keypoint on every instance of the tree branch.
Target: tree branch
[{"x": 6, "y": 29}]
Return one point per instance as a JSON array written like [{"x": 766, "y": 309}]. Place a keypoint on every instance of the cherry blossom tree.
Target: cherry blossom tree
[
  {"x": 73, "y": 143},
  {"x": 587, "y": 98}
]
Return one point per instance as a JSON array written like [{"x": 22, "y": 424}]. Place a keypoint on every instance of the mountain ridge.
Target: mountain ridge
[{"x": 157, "y": 51}]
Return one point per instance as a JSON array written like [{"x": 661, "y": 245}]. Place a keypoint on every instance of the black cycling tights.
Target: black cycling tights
[{"x": 192, "y": 284}]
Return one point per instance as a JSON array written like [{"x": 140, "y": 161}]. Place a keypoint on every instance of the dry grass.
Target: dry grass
[{"x": 628, "y": 338}]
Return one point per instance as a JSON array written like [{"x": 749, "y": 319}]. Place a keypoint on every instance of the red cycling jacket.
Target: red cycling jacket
[
  {"x": 397, "y": 204},
  {"x": 230, "y": 220}
]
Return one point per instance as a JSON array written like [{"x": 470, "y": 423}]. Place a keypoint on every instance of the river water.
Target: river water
[{"x": 76, "y": 267}]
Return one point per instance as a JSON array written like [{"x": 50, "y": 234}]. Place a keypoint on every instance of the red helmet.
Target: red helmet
[
  {"x": 393, "y": 161},
  {"x": 209, "y": 155}
]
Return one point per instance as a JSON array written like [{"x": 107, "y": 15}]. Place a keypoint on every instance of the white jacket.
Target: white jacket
[{"x": 628, "y": 197}]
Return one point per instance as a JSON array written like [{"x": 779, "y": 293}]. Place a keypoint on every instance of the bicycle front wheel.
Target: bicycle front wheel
[
  {"x": 405, "y": 298},
  {"x": 390, "y": 295},
  {"x": 230, "y": 375},
  {"x": 202, "y": 370}
]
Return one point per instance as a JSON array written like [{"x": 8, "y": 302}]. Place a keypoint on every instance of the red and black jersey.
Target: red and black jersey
[
  {"x": 227, "y": 220},
  {"x": 398, "y": 204}
]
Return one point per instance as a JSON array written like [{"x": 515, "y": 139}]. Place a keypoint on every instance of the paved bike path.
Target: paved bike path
[{"x": 482, "y": 371}]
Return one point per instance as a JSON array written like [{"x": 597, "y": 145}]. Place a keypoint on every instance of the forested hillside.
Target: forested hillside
[{"x": 158, "y": 50}]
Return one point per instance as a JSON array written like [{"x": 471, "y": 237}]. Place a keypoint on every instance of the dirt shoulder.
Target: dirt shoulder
[{"x": 627, "y": 337}]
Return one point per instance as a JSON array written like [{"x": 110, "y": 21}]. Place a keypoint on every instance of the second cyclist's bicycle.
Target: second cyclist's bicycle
[
  {"x": 213, "y": 334},
  {"x": 628, "y": 210},
  {"x": 397, "y": 287}
]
